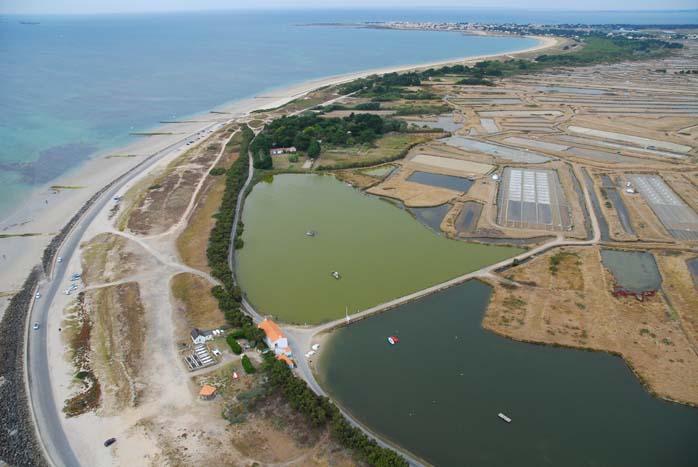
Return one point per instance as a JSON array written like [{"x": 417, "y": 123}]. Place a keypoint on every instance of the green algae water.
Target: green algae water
[
  {"x": 438, "y": 392},
  {"x": 379, "y": 250}
]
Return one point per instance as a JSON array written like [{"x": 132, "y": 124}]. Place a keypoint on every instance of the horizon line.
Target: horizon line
[{"x": 345, "y": 8}]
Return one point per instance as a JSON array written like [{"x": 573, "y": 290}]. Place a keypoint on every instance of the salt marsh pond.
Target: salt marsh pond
[{"x": 380, "y": 251}]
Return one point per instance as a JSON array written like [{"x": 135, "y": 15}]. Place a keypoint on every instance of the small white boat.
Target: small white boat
[
  {"x": 311, "y": 233},
  {"x": 315, "y": 347},
  {"x": 336, "y": 275},
  {"x": 504, "y": 417}
]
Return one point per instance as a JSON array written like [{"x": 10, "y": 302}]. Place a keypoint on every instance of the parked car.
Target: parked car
[
  {"x": 37, "y": 296},
  {"x": 109, "y": 442},
  {"x": 35, "y": 326},
  {"x": 59, "y": 259}
]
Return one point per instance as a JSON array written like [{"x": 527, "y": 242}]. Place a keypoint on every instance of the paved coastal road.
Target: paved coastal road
[{"x": 41, "y": 398}]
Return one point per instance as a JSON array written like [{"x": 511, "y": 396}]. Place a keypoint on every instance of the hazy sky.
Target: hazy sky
[{"x": 104, "y": 6}]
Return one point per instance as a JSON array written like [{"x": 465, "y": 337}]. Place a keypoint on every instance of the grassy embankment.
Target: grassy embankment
[{"x": 200, "y": 307}]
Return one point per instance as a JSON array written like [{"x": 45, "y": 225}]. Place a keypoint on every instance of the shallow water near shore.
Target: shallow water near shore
[
  {"x": 379, "y": 249},
  {"x": 438, "y": 392}
]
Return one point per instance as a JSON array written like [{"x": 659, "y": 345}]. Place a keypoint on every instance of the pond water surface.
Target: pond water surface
[
  {"x": 633, "y": 270},
  {"x": 380, "y": 250},
  {"x": 438, "y": 393},
  {"x": 442, "y": 181},
  {"x": 431, "y": 217}
]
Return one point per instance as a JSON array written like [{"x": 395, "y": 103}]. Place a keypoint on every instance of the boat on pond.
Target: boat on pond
[
  {"x": 504, "y": 417},
  {"x": 392, "y": 340},
  {"x": 336, "y": 275}
]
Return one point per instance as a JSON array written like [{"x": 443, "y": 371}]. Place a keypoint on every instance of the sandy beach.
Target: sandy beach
[{"x": 48, "y": 210}]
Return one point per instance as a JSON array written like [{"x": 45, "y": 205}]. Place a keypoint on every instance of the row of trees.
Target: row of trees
[
  {"x": 228, "y": 295},
  {"x": 321, "y": 412}
]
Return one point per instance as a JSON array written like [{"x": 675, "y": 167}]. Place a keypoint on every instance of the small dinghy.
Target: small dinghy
[
  {"x": 392, "y": 340},
  {"x": 336, "y": 275}
]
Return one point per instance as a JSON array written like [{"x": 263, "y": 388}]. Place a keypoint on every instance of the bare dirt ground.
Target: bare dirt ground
[
  {"x": 574, "y": 307},
  {"x": 412, "y": 194}
]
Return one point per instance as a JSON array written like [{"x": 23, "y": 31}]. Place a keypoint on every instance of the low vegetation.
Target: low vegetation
[
  {"x": 78, "y": 329},
  {"x": 386, "y": 149},
  {"x": 597, "y": 49},
  {"x": 558, "y": 258},
  {"x": 321, "y": 412}
]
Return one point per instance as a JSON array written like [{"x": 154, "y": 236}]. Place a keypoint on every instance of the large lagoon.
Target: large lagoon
[
  {"x": 438, "y": 393},
  {"x": 380, "y": 251}
]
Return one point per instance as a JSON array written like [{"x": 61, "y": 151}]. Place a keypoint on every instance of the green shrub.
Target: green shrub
[
  {"x": 247, "y": 365},
  {"x": 216, "y": 171},
  {"x": 234, "y": 346}
]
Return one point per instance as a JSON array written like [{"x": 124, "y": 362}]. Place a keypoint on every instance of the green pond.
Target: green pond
[
  {"x": 438, "y": 392},
  {"x": 380, "y": 250}
]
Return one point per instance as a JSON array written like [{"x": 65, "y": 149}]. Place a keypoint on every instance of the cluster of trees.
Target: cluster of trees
[
  {"x": 306, "y": 132},
  {"x": 252, "y": 333},
  {"x": 247, "y": 365},
  {"x": 474, "y": 82},
  {"x": 228, "y": 295},
  {"x": 320, "y": 412},
  {"x": 233, "y": 344},
  {"x": 360, "y": 106}
]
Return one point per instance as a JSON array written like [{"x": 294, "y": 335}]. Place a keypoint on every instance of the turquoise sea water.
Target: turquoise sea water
[{"x": 72, "y": 86}]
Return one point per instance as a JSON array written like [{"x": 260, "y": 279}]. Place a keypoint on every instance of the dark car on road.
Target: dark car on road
[{"x": 109, "y": 442}]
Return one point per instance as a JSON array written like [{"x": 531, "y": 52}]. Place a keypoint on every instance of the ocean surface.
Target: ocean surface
[{"x": 72, "y": 86}]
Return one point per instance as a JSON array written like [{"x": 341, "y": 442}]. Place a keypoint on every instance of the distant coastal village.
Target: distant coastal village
[{"x": 664, "y": 32}]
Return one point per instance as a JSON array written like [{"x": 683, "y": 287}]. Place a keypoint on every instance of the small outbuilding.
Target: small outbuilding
[{"x": 207, "y": 392}]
